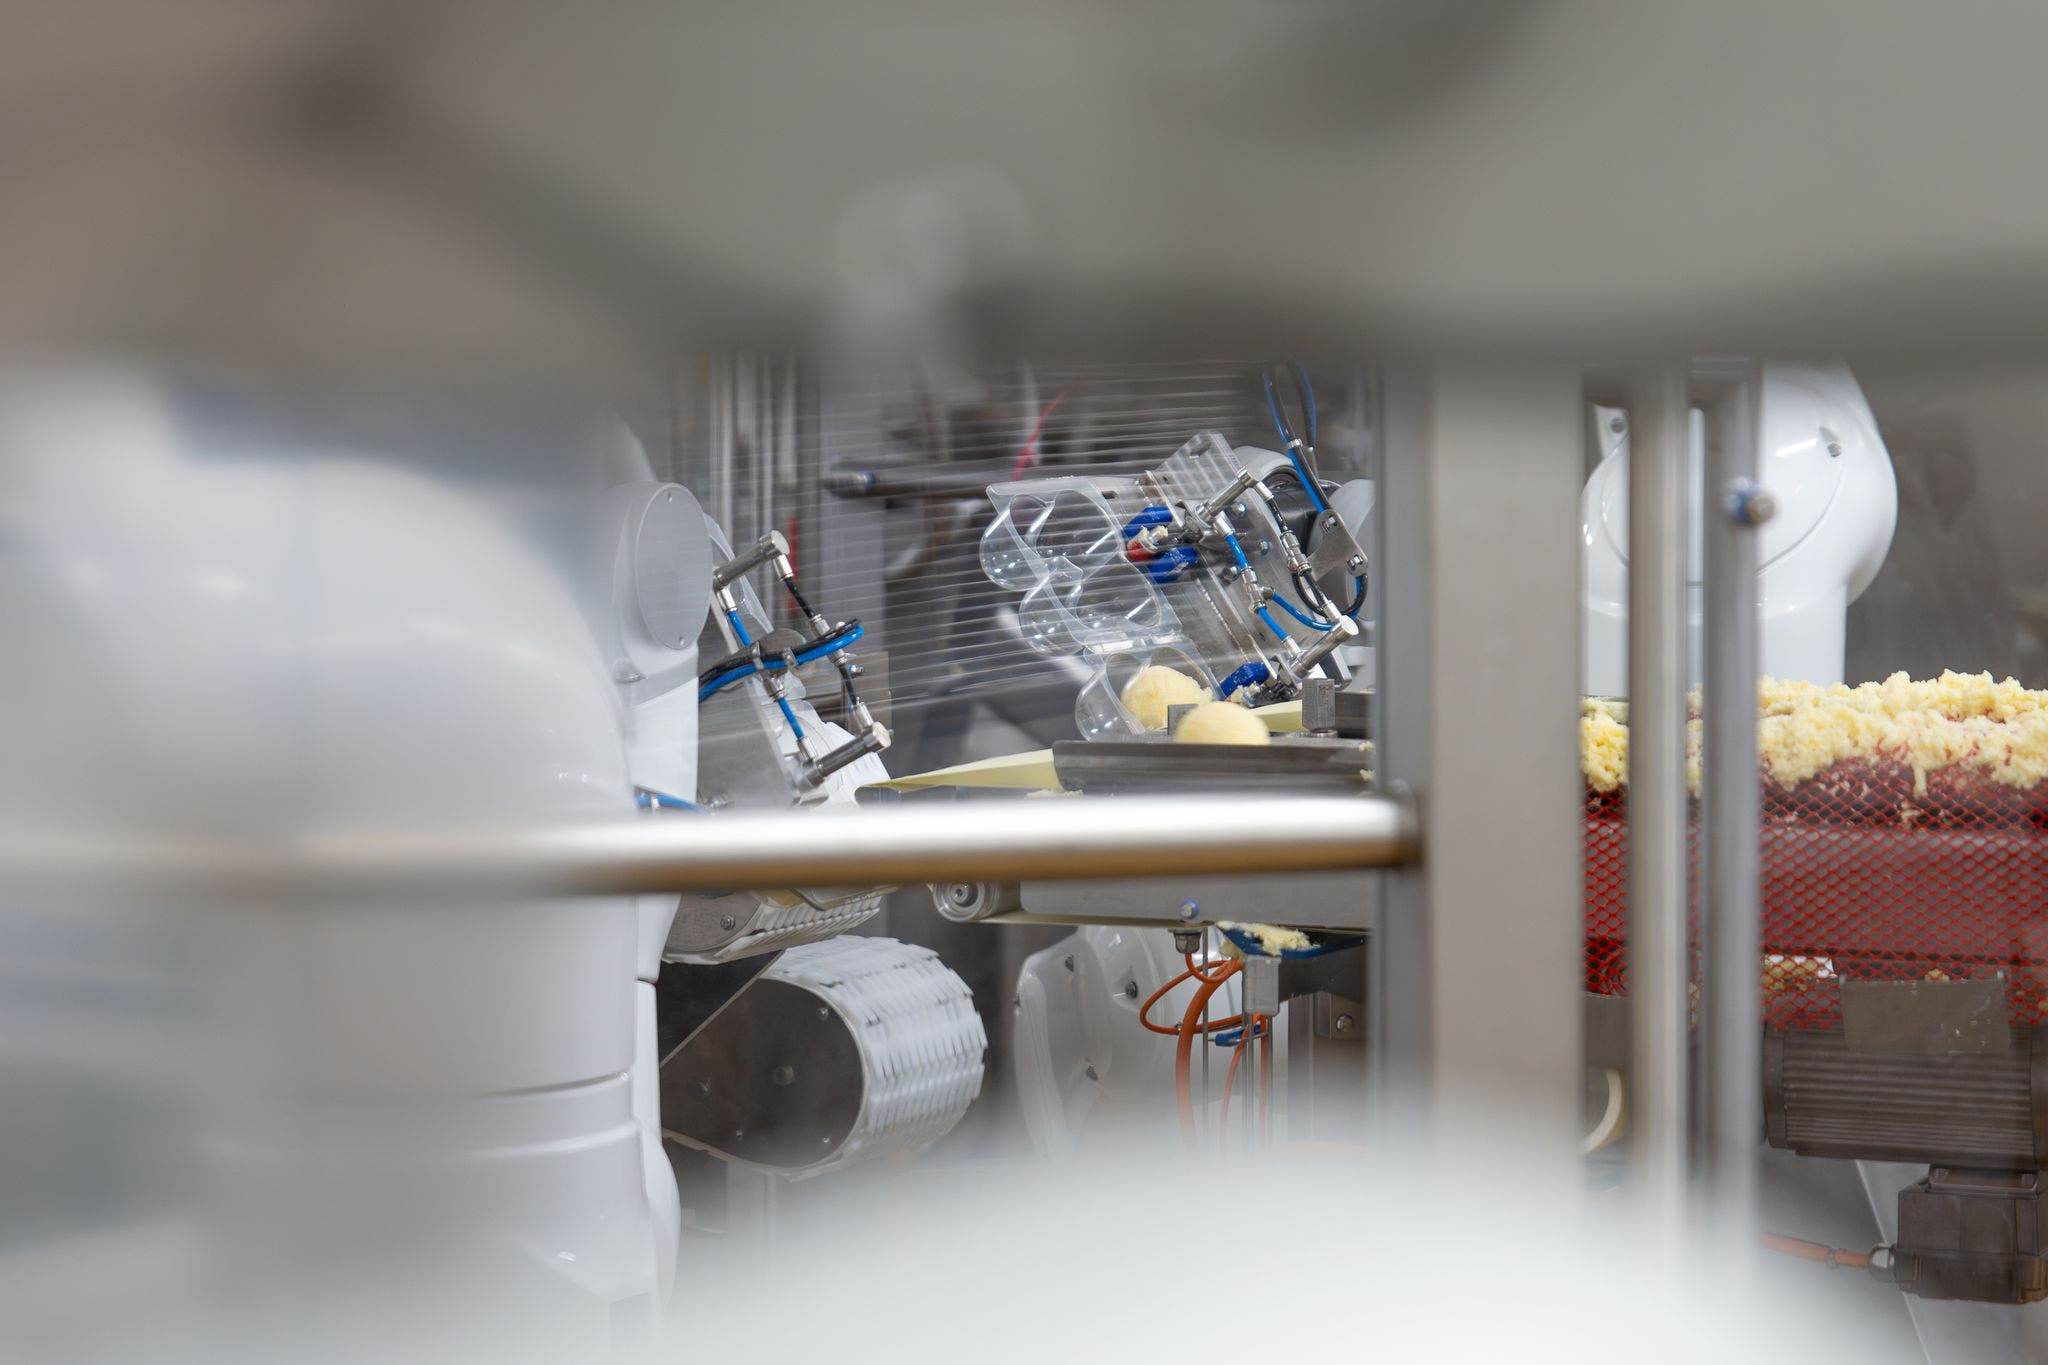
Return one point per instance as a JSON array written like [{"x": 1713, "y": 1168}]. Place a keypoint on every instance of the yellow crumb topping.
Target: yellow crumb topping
[
  {"x": 1271, "y": 937},
  {"x": 1994, "y": 730}
]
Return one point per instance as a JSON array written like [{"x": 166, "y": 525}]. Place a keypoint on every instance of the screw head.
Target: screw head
[
  {"x": 1751, "y": 504},
  {"x": 1355, "y": 563},
  {"x": 703, "y": 1089},
  {"x": 625, "y": 673},
  {"x": 824, "y": 1013},
  {"x": 1089, "y": 1071},
  {"x": 1342, "y": 1023},
  {"x": 727, "y": 922},
  {"x": 1190, "y": 909},
  {"x": 1130, "y": 990},
  {"x": 960, "y": 893},
  {"x": 1070, "y": 962},
  {"x": 783, "y": 1075}
]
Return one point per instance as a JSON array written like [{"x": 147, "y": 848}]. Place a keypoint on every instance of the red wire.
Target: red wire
[{"x": 1027, "y": 454}]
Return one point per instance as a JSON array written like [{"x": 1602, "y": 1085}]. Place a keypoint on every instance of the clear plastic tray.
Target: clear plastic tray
[{"x": 1061, "y": 542}]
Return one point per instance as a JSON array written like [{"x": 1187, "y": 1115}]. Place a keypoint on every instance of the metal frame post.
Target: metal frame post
[
  {"x": 1477, "y": 966},
  {"x": 1731, "y": 1036},
  {"x": 1659, "y": 975}
]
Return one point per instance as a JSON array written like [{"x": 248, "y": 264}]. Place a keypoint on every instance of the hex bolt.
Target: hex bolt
[{"x": 1186, "y": 941}]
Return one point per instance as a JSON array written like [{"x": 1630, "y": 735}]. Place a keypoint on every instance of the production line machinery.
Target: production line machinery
[{"x": 1905, "y": 965}]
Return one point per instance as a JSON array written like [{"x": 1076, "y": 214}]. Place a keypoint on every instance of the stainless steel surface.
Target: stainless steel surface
[
  {"x": 773, "y": 1080},
  {"x": 1476, "y": 969},
  {"x": 911, "y": 842},
  {"x": 966, "y": 902},
  {"x": 1658, "y": 976},
  {"x": 1305, "y": 900},
  {"x": 1731, "y": 1054}
]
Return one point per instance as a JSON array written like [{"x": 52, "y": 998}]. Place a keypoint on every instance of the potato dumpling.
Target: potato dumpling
[
  {"x": 1221, "y": 722},
  {"x": 1155, "y": 688}
]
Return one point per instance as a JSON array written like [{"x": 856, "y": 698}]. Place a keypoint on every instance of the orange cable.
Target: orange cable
[
  {"x": 1183, "y": 1053},
  {"x": 1819, "y": 1252}
]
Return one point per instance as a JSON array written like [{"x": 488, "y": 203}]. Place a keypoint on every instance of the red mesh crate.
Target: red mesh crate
[{"x": 1865, "y": 878}]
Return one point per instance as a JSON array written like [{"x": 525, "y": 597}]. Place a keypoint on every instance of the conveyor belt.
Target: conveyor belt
[{"x": 1867, "y": 877}]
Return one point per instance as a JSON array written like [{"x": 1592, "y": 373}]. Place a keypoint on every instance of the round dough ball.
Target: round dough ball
[
  {"x": 1157, "y": 687},
  {"x": 1221, "y": 722}
]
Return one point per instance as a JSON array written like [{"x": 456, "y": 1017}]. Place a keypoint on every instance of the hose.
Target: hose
[
  {"x": 1819, "y": 1252},
  {"x": 648, "y": 799},
  {"x": 1291, "y": 443},
  {"x": 730, "y": 671},
  {"x": 747, "y": 641}
]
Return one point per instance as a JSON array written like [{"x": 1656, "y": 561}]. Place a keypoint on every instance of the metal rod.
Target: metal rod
[
  {"x": 1658, "y": 976},
  {"x": 1206, "y": 960},
  {"x": 909, "y": 842},
  {"x": 1731, "y": 1040}
]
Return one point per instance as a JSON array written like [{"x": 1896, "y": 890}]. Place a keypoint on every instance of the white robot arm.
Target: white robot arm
[{"x": 1824, "y": 462}]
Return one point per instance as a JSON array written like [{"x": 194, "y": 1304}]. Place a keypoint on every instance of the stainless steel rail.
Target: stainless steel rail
[
  {"x": 1731, "y": 1057},
  {"x": 1658, "y": 979},
  {"x": 912, "y": 842}
]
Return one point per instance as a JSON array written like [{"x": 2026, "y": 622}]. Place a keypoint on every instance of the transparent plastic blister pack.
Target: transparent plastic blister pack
[{"x": 1061, "y": 543}]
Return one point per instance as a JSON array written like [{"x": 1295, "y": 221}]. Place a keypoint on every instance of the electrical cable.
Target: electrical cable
[
  {"x": 1308, "y": 399},
  {"x": 1262, "y": 1031},
  {"x": 1184, "y": 1051},
  {"x": 1819, "y": 1252},
  {"x": 1357, "y": 602},
  {"x": 729, "y": 671},
  {"x": 1295, "y": 612},
  {"x": 1192, "y": 974}
]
